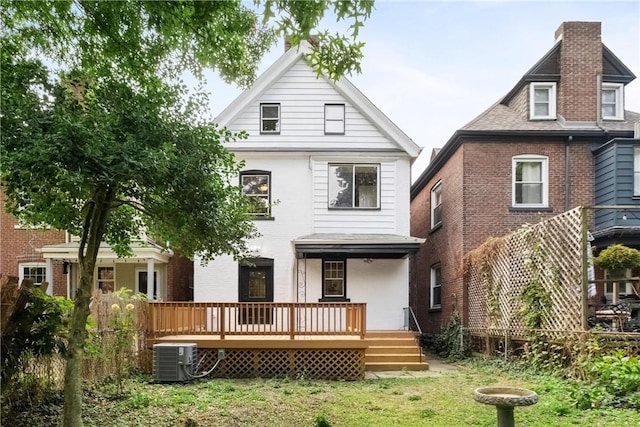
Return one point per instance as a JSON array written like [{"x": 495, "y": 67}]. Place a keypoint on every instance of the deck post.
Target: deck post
[
  {"x": 292, "y": 322},
  {"x": 221, "y": 320},
  {"x": 363, "y": 321}
]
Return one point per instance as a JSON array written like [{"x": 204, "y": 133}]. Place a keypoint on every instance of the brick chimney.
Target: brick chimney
[{"x": 580, "y": 68}]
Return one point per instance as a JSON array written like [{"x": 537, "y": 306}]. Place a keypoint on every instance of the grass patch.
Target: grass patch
[{"x": 445, "y": 400}]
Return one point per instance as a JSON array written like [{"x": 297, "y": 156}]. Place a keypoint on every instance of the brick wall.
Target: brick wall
[
  {"x": 476, "y": 206},
  {"x": 580, "y": 64},
  {"x": 442, "y": 246},
  {"x": 488, "y": 185},
  {"x": 21, "y": 245}
]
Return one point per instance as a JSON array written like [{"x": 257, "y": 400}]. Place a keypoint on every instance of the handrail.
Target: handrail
[
  {"x": 276, "y": 318},
  {"x": 409, "y": 314}
]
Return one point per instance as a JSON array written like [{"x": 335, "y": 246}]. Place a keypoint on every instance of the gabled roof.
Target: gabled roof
[
  {"x": 547, "y": 69},
  {"x": 343, "y": 86}
]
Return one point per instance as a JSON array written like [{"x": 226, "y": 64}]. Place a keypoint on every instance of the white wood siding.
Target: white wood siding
[
  {"x": 302, "y": 97},
  {"x": 374, "y": 221}
]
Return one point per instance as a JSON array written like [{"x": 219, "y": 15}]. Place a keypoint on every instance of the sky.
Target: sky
[{"x": 433, "y": 66}]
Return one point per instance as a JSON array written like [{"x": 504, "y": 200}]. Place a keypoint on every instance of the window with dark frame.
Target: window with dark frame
[
  {"x": 334, "y": 279},
  {"x": 334, "y": 119},
  {"x": 269, "y": 118},
  {"x": 354, "y": 186},
  {"x": 257, "y": 185}
]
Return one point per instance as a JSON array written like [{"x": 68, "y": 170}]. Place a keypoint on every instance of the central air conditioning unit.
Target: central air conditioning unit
[{"x": 173, "y": 362}]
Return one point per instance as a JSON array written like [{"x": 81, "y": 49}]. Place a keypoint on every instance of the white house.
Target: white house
[{"x": 331, "y": 177}]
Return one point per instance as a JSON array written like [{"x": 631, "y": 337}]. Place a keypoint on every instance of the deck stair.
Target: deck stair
[{"x": 394, "y": 351}]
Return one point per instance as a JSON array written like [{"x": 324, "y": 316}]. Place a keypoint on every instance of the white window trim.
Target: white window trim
[
  {"x": 278, "y": 120},
  {"x": 436, "y": 190},
  {"x": 545, "y": 180},
  {"x": 24, "y": 265},
  {"x": 433, "y": 285},
  {"x": 619, "y": 90},
  {"x": 551, "y": 86},
  {"x": 337, "y": 107}
]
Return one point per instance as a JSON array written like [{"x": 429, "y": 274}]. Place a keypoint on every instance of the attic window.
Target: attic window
[
  {"x": 270, "y": 118},
  {"x": 334, "y": 119},
  {"x": 612, "y": 101},
  {"x": 542, "y": 101}
]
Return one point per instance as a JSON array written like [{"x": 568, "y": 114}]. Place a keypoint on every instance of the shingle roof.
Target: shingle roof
[{"x": 500, "y": 117}]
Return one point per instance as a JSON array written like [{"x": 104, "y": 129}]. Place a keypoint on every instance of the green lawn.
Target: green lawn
[{"x": 445, "y": 400}]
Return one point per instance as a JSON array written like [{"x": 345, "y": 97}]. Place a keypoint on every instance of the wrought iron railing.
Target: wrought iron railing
[{"x": 410, "y": 321}]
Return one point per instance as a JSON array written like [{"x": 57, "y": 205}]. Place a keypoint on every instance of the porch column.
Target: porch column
[
  {"x": 49, "y": 275},
  {"x": 150, "y": 268}
]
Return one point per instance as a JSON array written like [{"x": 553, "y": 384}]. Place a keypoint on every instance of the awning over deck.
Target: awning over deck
[{"x": 356, "y": 245}]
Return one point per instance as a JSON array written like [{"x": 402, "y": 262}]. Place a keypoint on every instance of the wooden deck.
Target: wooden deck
[
  {"x": 256, "y": 319},
  {"x": 327, "y": 341}
]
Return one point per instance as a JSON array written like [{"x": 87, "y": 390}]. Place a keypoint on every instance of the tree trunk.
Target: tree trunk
[{"x": 93, "y": 232}]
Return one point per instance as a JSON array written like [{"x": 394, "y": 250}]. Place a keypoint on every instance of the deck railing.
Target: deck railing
[{"x": 275, "y": 318}]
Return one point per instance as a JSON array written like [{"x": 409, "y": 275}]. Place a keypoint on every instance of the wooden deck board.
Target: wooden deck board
[{"x": 264, "y": 341}]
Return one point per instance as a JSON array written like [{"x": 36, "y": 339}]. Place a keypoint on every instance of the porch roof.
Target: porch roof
[
  {"x": 356, "y": 245},
  {"x": 141, "y": 252}
]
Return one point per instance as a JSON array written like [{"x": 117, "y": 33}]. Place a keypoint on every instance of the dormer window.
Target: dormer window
[
  {"x": 612, "y": 101},
  {"x": 270, "y": 118},
  {"x": 542, "y": 97}
]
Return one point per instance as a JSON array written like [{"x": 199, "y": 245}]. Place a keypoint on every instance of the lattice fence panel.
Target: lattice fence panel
[
  {"x": 327, "y": 364},
  {"x": 346, "y": 364},
  {"x": 497, "y": 272}
]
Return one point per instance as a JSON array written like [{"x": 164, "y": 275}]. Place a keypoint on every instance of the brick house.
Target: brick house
[
  {"x": 529, "y": 156},
  {"x": 51, "y": 255}
]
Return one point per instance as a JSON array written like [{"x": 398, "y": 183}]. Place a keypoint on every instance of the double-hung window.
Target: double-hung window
[
  {"x": 636, "y": 171},
  {"x": 334, "y": 119},
  {"x": 530, "y": 181},
  {"x": 35, "y": 271},
  {"x": 106, "y": 279},
  {"x": 354, "y": 186},
  {"x": 270, "y": 118},
  {"x": 257, "y": 185},
  {"x": 435, "y": 300},
  {"x": 612, "y": 101},
  {"x": 436, "y": 204},
  {"x": 334, "y": 279},
  {"x": 542, "y": 101}
]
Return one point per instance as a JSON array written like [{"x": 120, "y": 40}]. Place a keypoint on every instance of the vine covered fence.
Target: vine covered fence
[{"x": 532, "y": 280}]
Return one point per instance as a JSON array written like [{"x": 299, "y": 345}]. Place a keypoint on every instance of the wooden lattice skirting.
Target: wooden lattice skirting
[{"x": 326, "y": 364}]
